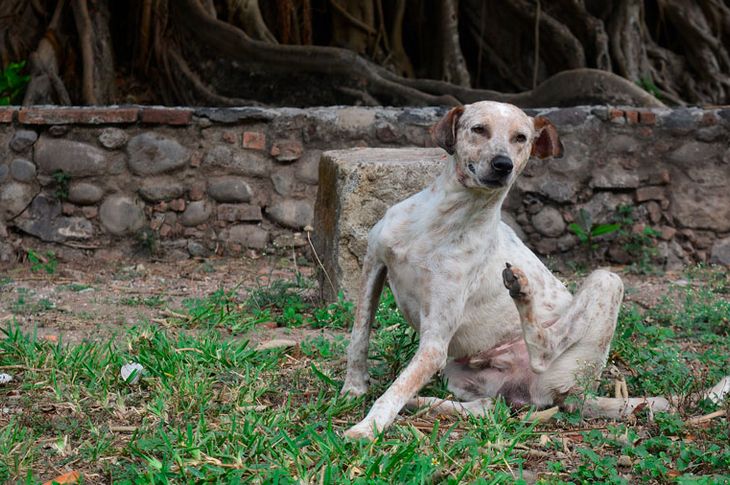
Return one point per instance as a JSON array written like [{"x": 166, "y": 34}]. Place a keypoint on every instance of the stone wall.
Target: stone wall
[{"x": 195, "y": 182}]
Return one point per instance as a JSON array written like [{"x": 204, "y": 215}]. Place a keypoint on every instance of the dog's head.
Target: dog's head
[{"x": 491, "y": 142}]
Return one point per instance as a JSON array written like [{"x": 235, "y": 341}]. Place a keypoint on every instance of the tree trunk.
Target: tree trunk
[
  {"x": 92, "y": 24},
  {"x": 452, "y": 59}
]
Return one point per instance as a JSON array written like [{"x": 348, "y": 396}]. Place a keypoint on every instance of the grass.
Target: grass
[{"x": 210, "y": 408}]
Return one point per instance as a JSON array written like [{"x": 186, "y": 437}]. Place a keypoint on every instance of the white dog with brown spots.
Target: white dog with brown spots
[{"x": 448, "y": 258}]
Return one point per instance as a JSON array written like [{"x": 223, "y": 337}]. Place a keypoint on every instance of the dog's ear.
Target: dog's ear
[
  {"x": 444, "y": 132},
  {"x": 547, "y": 144}
]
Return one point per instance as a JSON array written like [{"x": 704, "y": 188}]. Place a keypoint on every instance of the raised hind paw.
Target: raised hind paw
[{"x": 515, "y": 281}]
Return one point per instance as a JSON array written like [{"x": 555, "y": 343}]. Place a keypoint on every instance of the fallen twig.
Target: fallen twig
[{"x": 707, "y": 417}]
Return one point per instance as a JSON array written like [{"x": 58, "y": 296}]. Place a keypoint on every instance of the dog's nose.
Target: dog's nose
[{"x": 502, "y": 164}]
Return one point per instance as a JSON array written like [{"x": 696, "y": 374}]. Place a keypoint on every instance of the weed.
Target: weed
[
  {"x": 323, "y": 347},
  {"x": 75, "y": 287},
  {"x": 280, "y": 294},
  {"x": 12, "y": 83},
  {"x": 586, "y": 382},
  {"x": 155, "y": 301},
  {"x": 62, "y": 180},
  {"x": 335, "y": 315},
  {"x": 38, "y": 262},
  {"x": 147, "y": 241},
  {"x": 26, "y": 305},
  {"x": 641, "y": 246},
  {"x": 648, "y": 85},
  {"x": 587, "y": 232}
]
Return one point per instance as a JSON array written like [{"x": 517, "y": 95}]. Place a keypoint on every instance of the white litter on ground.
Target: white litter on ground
[{"x": 128, "y": 369}]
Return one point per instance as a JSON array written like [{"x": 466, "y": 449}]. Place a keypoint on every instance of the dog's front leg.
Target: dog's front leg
[{"x": 429, "y": 359}]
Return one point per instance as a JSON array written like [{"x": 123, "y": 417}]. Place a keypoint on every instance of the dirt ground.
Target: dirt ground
[{"x": 98, "y": 300}]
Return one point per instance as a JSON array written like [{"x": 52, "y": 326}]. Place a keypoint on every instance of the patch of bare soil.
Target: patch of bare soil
[{"x": 97, "y": 301}]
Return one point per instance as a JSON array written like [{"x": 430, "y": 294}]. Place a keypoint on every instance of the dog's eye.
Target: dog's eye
[
  {"x": 520, "y": 138},
  {"x": 478, "y": 129}
]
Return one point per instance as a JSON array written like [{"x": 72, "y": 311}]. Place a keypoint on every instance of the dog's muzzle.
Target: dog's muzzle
[{"x": 498, "y": 172}]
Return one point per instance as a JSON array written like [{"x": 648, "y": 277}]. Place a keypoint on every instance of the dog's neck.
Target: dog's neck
[{"x": 462, "y": 210}]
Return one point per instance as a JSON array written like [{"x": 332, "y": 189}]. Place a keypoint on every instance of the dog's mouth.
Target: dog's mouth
[
  {"x": 490, "y": 180},
  {"x": 493, "y": 183}
]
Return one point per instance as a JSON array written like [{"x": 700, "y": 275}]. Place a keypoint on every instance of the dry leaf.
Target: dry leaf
[{"x": 70, "y": 477}]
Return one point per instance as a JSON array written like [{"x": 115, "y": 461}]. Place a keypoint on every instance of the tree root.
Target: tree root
[
  {"x": 581, "y": 86},
  {"x": 207, "y": 94},
  {"x": 671, "y": 49},
  {"x": 233, "y": 43}
]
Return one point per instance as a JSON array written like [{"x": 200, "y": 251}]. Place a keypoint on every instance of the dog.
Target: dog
[{"x": 491, "y": 317}]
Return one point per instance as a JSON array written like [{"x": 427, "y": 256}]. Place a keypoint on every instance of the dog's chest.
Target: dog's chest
[{"x": 454, "y": 287}]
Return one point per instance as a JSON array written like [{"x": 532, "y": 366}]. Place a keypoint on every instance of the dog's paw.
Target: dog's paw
[
  {"x": 361, "y": 431},
  {"x": 352, "y": 388},
  {"x": 515, "y": 281}
]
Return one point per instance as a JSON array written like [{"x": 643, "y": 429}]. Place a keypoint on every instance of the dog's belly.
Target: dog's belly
[{"x": 500, "y": 371}]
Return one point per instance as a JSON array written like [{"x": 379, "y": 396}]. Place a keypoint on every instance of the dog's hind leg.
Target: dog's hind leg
[
  {"x": 587, "y": 324},
  {"x": 371, "y": 285},
  {"x": 617, "y": 408},
  {"x": 570, "y": 353}
]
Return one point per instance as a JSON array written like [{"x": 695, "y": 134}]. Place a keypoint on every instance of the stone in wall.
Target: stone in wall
[
  {"x": 614, "y": 178},
  {"x": 549, "y": 222},
  {"x": 22, "y": 140},
  {"x": 73, "y": 158},
  {"x": 196, "y": 213},
  {"x": 23, "y": 170},
  {"x": 239, "y": 213},
  {"x": 293, "y": 213},
  {"x": 287, "y": 150},
  {"x": 121, "y": 215},
  {"x": 307, "y": 167},
  {"x": 84, "y": 193},
  {"x": 701, "y": 206},
  {"x": 693, "y": 151},
  {"x": 44, "y": 219},
  {"x": 14, "y": 198},
  {"x": 239, "y": 162},
  {"x": 113, "y": 138},
  {"x": 229, "y": 189},
  {"x": 285, "y": 183},
  {"x": 247, "y": 235},
  {"x": 720, "y": 253},
  {"x": 153, "y": 153},
  {"x": 554, "y": 186},
  {"x": 603, "y": 206},
  {"x": 156, "y": 189},
  {"x": 197, "y": 249}
]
